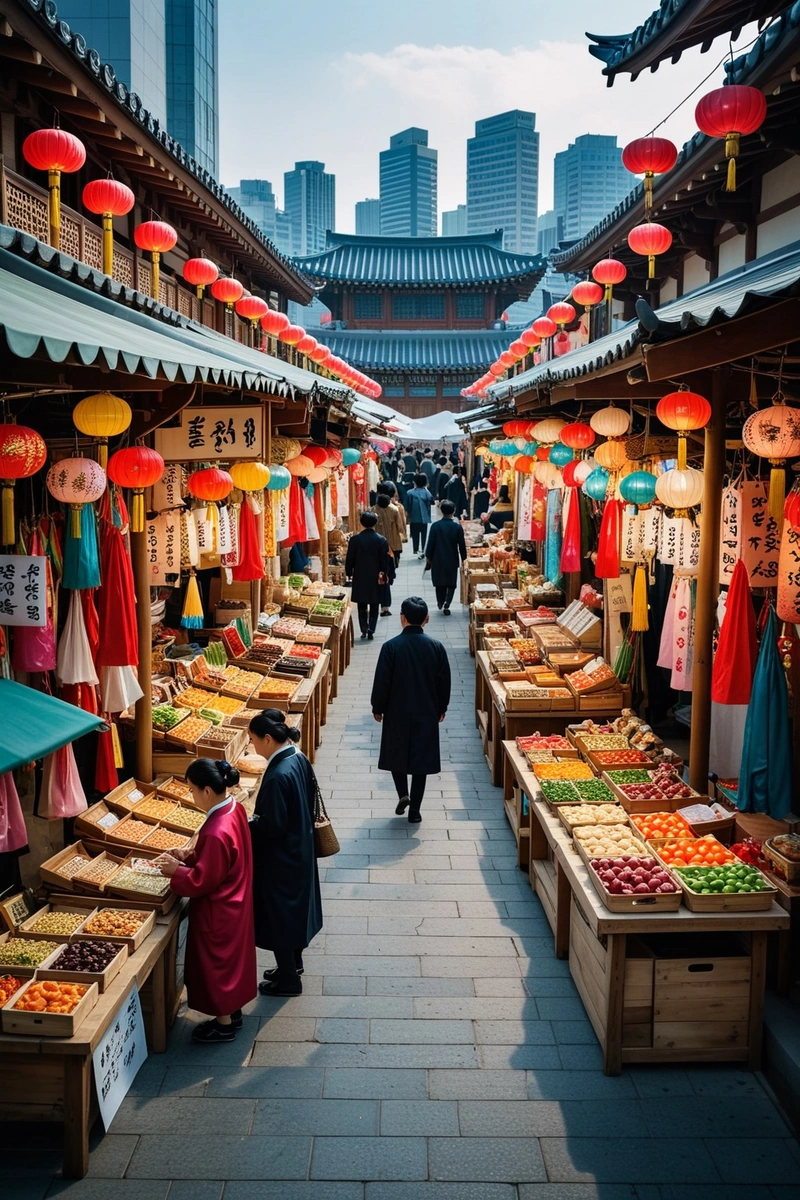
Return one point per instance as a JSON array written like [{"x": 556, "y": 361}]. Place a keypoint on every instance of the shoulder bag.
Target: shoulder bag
[{"x": 326, "y": 842}]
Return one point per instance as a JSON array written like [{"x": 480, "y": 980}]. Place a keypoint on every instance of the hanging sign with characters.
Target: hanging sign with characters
[
  {"x": 730, "y": 533},
  {"x": 761, "y": 539},
  {"x": 23, "y": 583},
  {"x": 206, "y": 434},
  {"x": 788, "y": 607}
]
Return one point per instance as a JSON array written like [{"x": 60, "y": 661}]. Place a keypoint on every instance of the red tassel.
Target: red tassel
[
  {"x": 571, "y": 545},
  {"x": 608, "y": 544}
]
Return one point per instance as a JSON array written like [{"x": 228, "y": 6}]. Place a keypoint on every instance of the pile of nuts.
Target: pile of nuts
[
  {"x": 115, "y": 922},
  {"x": 137, "y": 881},
  {"x": 24, "y": 952},
  {"x": 165, "y": 839},
  {"x": 64, "y": 923}
]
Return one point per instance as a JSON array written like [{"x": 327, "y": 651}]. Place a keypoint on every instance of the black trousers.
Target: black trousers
[
  {"x": 368, "y": 617},
  {"x": 417, "y": 788},
  {"x": 288, "y": 963},
  {"x": 444, "y": 596},
  {"x": 419, "y": 535}
]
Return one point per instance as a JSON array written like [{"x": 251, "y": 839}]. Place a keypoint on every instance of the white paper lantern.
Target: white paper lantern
[
  {"x": 610, "y": 422},
  {"x": 548, "y": 475},
  {"x": 680, "y": 489},
  {"x": 548, "y": 430},
  {"x": 583, "y": 470}
]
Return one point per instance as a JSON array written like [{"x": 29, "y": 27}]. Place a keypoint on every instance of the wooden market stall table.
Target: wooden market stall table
[
  {"x": 51, "y": 1079},
  {"x": 693, "y": 1006},
  {"x": 311, "y": 700},
  {"x": 340, "y": 645}
]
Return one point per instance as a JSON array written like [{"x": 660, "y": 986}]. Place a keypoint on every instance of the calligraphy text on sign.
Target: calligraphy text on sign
[
  {"x": 120, "y": 1053},
  {"x": 23, "y": 582},
  {"x": 205, "y": 434}
]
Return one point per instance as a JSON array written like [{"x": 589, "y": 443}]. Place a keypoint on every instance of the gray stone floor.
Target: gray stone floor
[{"x": 439, "y": 1051}]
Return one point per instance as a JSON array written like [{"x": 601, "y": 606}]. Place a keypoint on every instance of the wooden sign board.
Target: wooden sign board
[{"x": 209, "y": 434}]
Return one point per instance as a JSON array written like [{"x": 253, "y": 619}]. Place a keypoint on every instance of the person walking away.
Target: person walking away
[
  {"x": 480, "y": 499},
  {"x": 286, "y": 896},
  {"x": 410, "y": 695},
  {"x": 410, "y": 461},
  {"x": 391, "y": 520},
  {"x": 419, "y": 514},
  {"x": 216, "y": 873},
  {"x": 367, "y": 560},
  {"x": 445, "y": 551},
  {"x": 457, "y": 493},
  {"x": 427, "y": 467},
  {"x": 445, "y": 475},
  {"x": 501, "y": 511}
]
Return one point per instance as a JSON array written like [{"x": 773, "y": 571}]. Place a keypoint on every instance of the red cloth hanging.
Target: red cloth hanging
[
  {"x": 608, "y": 543},
  {"x": 737, "y": 649},
  {"x": 571, "y": 545},
  {"x": 82, "y": 695},
  {"x": 105, "y": 773},
  {"x": 91, "y": 621},
  {"x": 539, "y": 513},
  {"x": 251, "y": 561},
  {"x": 297, "y": 515},
  {"x": 119, "y": 637}
]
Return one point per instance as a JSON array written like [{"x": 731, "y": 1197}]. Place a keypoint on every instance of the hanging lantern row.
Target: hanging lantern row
[
  {"x": 137, "y": 468},
  {"x": 683, "y": 411},
  {"x": 22, "y": 453}
]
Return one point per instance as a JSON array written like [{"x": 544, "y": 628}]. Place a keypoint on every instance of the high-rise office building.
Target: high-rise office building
[
  {"x": 166, "y": 52},
  {"x": 310, "y": 199},
  {"x": 503, "y": 179},
  {"x": 550, "y": 231},
  {"x": 409, "y": 181},
  {"x": 257, "y": 200},
  {"x": 368, "y": 218},
  {"x": 454, "y": 222},
  {"x": 589, "y": 181}
]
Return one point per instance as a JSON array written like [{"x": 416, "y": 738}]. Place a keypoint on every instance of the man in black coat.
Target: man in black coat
[
  {"x": 445, "y": 551},
  {"x": 410, "y": 695},
  {"x": 367, "y": 559}
]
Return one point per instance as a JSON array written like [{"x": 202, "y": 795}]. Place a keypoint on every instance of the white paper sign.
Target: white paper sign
[
  {"x": 619, "y": 594},
  {"x": 22, "y": 590},
  {"x": 730, "y": 533},
  {"x": 164, "y": 549},
  {"x": 167, "y": 492},
  {"x": 120, "y": 1053},
  {"x": 205, "y": 434}
]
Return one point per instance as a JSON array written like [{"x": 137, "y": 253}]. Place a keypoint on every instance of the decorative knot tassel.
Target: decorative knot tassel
[
  {"x": 639, "y": 618},
  {"x": 8, "y": 512},
  {"x": 75, "y": 520},
  {"x": 681, "y": 451},
  {"x": 192, "y": 616},
  {"x": 137, "y": 513},
  {"x": 648, "y": 190},
  {"x": 777, "y": 493},
  {"x": 102, "y": 453},
  {"x": 651, "y": 266},
  {"x": 731, "y": 153}
]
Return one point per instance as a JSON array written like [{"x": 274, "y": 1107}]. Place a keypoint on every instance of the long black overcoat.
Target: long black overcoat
[
  {"x": 445, "y": 550},
  {"x": 411, "y": 691},
  {"x": 286, "y": 896},
  {"x": 456, "y": 492},
  {"x": 367, "y": 556}
]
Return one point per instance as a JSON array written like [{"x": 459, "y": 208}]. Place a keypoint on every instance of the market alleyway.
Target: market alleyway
[{"x": 439, "y": 1051}]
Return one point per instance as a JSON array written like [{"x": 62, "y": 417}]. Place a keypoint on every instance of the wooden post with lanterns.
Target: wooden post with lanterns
[
  {"x": 707, "y": 588},
  {"x": 144, "y": 623}
]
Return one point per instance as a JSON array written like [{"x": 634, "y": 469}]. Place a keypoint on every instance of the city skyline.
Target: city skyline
[{"x": 441, "y": 67}]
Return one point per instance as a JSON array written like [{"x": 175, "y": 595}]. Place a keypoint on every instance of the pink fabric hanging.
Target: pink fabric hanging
[
  {"x": 539, "y": 513},
  {"x": 571, "y": 545},
  {"x": 666, "y": 650},
  {"x": 607, "y": 565},
  {"x": 297, "y": 515},
  {"x": 35, "y": 645},
  {"x": 62, "y": 794},
  {"x": 13, "y": 834},
  {"x": 683, "y": 653}
]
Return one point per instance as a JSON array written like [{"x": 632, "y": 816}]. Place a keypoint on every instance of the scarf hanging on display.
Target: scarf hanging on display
[
  {"x": 788, "y": 606},
  {"x": 309, "y": 510},
  {"x": 765, "y": 779},
  {"x": 666, "y": 651},
  {"x": 120, "y": 689},
  {"x": 81, "y": 559},
  {"x": 190, "y": 552},
  {"x": 552, "y": 542},
  {"x": 342, "y": 493},
  {"x": 225, "y": 536},
  {"x": 13, "y": 834},
  {"x": 297, "y": 514},
  {"x": 282, "y": 506},
  {"x": 74, "y": 660},
  {"x": 608, "y": 544},
  {"x": 105, "y": 773},
  {"x": 730, "y": 533},
  {"x": 251, "y": 561},
  {"x": 270, "y": 547},
  {"x": 119, "y": 635},
  {"x": 732, "y": 676},
  {"x": 62, "y": 795},
  {"x": 571, "y": 548},
  {"x": 683, "y": 636},
  {"x": 524, "y": 507}
]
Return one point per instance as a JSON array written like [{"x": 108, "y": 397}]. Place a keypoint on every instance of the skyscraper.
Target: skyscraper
[
  {"x": 166, "y": 52},
  {"x": 368, "y": 218},
  {"x": 409, "y": 180},
  {"x": 310, "y": 199},
  {"x": 503, "y": 179},
  {"x": 257, "y": 200},
  {"x": 589, "y": 181},
  {"x": 454, "y": 222},
  {"x": 550, "y": 231}
]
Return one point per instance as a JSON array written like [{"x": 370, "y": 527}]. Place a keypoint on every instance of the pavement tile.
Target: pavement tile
[
  {"x": 172, "y": 1114},
  {"x": 293, "y": 1191},
  {"x": 478, "y": 1085},
  {"x": 578, "y": 1085},
  {"x": 627, "y": 1159},
  {"x": 99, "y": 1189},
  {"x": 425, "y": 1118},
  {"x": 414, "y": 1032},
  {"x": 754, "y": 1161},
  {"x": 376, "y": 1084},
  {"x": 420, "y": 987},
  {"x": 255, "y": 1082},
  {"x": 345, "y": 985},
  {"x": 182, "y": 1189},
  {"x": 756, "y": 1117},
  {"x": 506, "y": 1160},
  {"x": 548, "y": 1118},
  {"x": 334, "y": 1029},
  {"x": 317, "y": 1118},
  {"x": 440, "y": 1191},
  {"x": 184, "y": 1157},
  {"x": 369, "y": 1158},
  {"x": 110, "y": 1159}
]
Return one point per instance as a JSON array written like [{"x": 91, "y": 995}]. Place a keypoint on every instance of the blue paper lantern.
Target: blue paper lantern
[
  {"x": 638, "y": 488},
  {"x": 279, "y": 478},
  {"x": 530, "y": 449},
  {"x": 350, "y": 456},
  {"x": 560, "y": 455},
  {"x": 596, "y": 484}
]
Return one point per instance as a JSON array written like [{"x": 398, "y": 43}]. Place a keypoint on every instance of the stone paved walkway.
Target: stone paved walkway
[{"x": 439, "y": 1051}]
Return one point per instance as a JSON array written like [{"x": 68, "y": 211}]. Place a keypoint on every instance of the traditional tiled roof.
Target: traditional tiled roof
[
  {"x": 412, "y": 262},
  {"x": 674, "y": 27},
  {"x": 423, "y": 350}
]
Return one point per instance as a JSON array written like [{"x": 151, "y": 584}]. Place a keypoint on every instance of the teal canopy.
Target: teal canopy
[{"x": 33, "y": 724}]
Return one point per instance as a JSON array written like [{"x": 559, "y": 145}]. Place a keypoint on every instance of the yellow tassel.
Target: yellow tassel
[
  {"x": 102, "y": 453},
  {"x": 777, "y": 492},
  {"x": 639, "y": 619},
  {"x": 75, "y": 520},
  {"x": 648, "y": 190},
  {"x": 212, "y": 515},
  {"x": 681, "y": 451},
  {"x": 731, "y": 151},
  {"x": 119, "y": 761},
  {"x": 651, "y": 266},
  {"x": 192, "y": 616},
  {"x": 8, "y": 512},
  {"x": 137, "y": 511}
]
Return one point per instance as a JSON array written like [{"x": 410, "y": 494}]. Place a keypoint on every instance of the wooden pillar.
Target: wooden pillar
[
  {"x": 352, "y": 518},
  {"x": 707, "y": 587},
  {"x": 144, "y": 707},
  {"x": 255, "y": 602}
]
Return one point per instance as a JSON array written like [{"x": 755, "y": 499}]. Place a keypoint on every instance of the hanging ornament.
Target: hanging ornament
[
  {"x": 76, "y": 481},
  {"x": 525, "y": 464},
  {"x": 292, "y": 334},
  {"x": 680, "y": 489},
  {"x": 22, "y": 453},
  {"x": 649, "y": 156},
  {"x": 192, "y": 616},
  {"x": 530, "y": 338},
  {"x": 609, "y": 272},
  {"x": 54, "y": 151},
  {"x": 158, "y": 237},
  {"x": 560, "y": 454},
  {"x": 211, "y": 485},
  {"x": 299, "y": 466},
  {"x": 683, "y": 411},
  {"x": 774, "y": 433},
  {"x": 561, "y": 313},
  {"x": 578, "y": 436},
  {"x": 136, "y": 467},
  {"x": 650, "y": 240},
  {"x": 608, "y": 541},
  {"x": 610, "y": 422},
  {"x": 273, "y": 323},
  {"x": 101, "y": 417},
  {"x": 543, "y": 327},
  {"x": 587, "y": 294},
  {"x": 108, "y": 198},
  {"x": 227, "y": 290},
  {"x": 791, "y": 509},
  {"x": 252, "y": 309},
  {"x": 350, "y": 456},
  {"x": 638, "y": 488},
  {"x": 250, "y": 476},
  {"x": 611, "y": 454},
  {"x": 548, "y": 430},
  {"x": 729, "y": 113},
  {"x": 596, "y": 484},
  {"x": 200, "y": 273}
]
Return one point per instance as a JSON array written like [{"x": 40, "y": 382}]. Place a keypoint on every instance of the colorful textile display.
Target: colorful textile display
[
  {"x": 35, "y": 645},
  {"x": 81, "y": 559},
  {"x": 553, "y": 538},
  {"x": 13, "y": 834},
  {"x": 608, "y": 542},
  {"x": 765, "y": 778},
  {"x": 251, "y": 559},
  {"x": 119, "y": 639},
  {"x": 62, "y": 793},
  {"x": 297, "y": 514},
  {"x": 571, "y": 547},
  {"x": 732, "y": 676},
  {"x": 74, "y": 659}
]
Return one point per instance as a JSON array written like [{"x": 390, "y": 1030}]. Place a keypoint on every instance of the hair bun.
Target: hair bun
[{"x": 229, "y": 773}]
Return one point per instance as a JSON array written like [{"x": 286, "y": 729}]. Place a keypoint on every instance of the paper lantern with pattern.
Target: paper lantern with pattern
[
  {"x": 22, "y": 453},
  {"x": 136, "y": 467},
  {"x": 76, "y": 481},
  {"x": 774, "y": 433}
]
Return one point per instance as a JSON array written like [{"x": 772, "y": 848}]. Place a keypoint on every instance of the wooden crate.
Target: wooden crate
[
  {"x": 49, "y": 870},
  {"x": 102, "y": 978},
  {"x": 61, "y": 1025},
  {"x": 123, "y": 834},
  {"x": 96, "y": 821},
  {"x": 26, "y": 928},
  {"x": 701, "y": 1003},
  {"x": 25, "y": 972},
  {"x": 567, "y": 814},
  {"x": 82, "y": 884},
  {"x": 134, "y": 941},
  {"x": 656, "y": 902},
  {"x": 728, "y": 902},
  {"x": 124, "y": 798}
]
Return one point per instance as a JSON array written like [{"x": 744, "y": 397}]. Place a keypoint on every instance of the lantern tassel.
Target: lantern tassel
[
  {"x": 108, "y": 244},
  {"x": 681, "y": 451},
  {"x": 777, "y": 492},
  {"x": 102, "y": 452},
  {"x": 648, "y": 190},
  {"x": 731, "y": 153},
  {"x": 192, "y": 616},
  {"x": 75, "y": 520},
  {"x": 54, "y": 185},
  {"x": 651, "y": 266},
  {"x": 753, "y": 391},
  {"x": 137, "y": 513},
  {"x": 639, "y": 618},
  {"x": 8, "y": 512}
]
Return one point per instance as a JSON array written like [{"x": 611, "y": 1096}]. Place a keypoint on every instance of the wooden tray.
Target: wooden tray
[
  {"x": 727, "y": 902},
  {"x": 570, "y": 828},
  {"x": 578, "y": 845},
  {"x": 656, "y": 902},
  {"x": 164, "y": 789},
  {"x": 49, "y": 873},
  {"x": 119, "y": 835},
  {"x": 166, "y": 805},
  {"x": 62, "y": 1025},
  {"x": 25, "y": 972},
  {"x": 133, "y": 942},
  {"x": 787, "y": 868},
  {"x": 655, "y": 844},
  {"x": 119, "y": 798},
  {"x": 26, "y": 928},
  {"x": 96, "y": 821},
  {"x": 101, "y": 978},
  {"x": 82, "y": 884}
]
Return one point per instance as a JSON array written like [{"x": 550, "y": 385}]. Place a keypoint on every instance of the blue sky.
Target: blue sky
[{"x": 332, "y": 80}]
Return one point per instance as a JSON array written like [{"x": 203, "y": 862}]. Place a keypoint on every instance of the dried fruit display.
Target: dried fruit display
[
  {"x": 603, "y": 741},
  {"x": 165, "y": 839},
  {"x": 278, "y": 689},
  {"x": 115, "y": 922},
  {"x": 85, "y": 956},
  {"x": 8, "y": 985},
  {"x": 133, "y": 831},
  {"x": 25, "y": 952},
  {"x": 156, "y": 808},
  {"x": 63, "y": 923},
  {"x": 187, "y": 818},
  {"x": 191, "y": 730},
  {"x": 51, "y": 997},
  {"x": 99, "y": 870},
  {"x": 196, "y": 698},
  {"x": 569, "y": 769}
]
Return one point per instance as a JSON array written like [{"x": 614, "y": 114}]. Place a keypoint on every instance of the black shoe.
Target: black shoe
[
  {"x": 447, "y": 612},
  {"x": 414, "y": 818},
  {"x": 274, "y": 971},
  {"x": 364, "y": 637},
  {"x": 236, "y": 1019},
  {"x": 211, "y": 1033},
  {"x": 402, "y": 805},
  {"x": 272, "y": 987},
  {"x": 370, "y": 637},
  {"x": 386, "y": 612}
]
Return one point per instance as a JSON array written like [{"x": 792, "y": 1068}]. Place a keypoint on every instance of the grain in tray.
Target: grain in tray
[
  {"x": 128, "y": 880},
  {"x": 133, "y": 831},
  {"x": 71, "y": 867},
  {"x": 63, "y": 923},
  {"x": 187, "y": 818},
  {"x": 165, "y": 839},
  {"x": 98, "y": 871},
  {"x": 155, "y": 807},
  {"x": 25, "y": 952}
]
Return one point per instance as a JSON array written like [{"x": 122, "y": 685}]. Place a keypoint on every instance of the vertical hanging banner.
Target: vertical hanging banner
[
  {"x": 167, "y": 493},
  {"x": 632, "y": 536},
  {"x": 539, "y": 513},
  {"x": 164, "y": 549},
  {"x": 760, "y": 535},
  {"x": 688, "y": 547},
  {"x": 669, "y": 541},
  {"x": 730, "y": 533},
  {"x": 788, "y": 607},
  {"x": 23, "y": 582},
  {"x": 651, "y": 530}
]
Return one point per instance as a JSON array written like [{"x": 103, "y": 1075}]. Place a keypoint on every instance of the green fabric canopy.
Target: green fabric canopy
[{"x": 33, "y": 724}]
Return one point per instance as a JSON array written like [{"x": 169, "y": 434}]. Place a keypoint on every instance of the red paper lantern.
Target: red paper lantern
[
  {"x": 156, "y": 236},
  {"x": 649, "y": 156},
  {"x": 682, "y": 411},
  {"x": 507, "y": 359},
  {"x": 568, "y": 471},
  {"x": 22, "y": 453},
  {"x": 578, "y": 436},
  {"x": 227, "y": 290},
  {"x": 273, "y": 322},
  {"x": 200, "y": 273},
  {"x": 317, "y": 454},
  {"x": 543, "y": 327},
  {"x": 649, "y": 240},
  {"x": 252, "y": 308},
  {"x": 530, "y": 338},
  {"x": 587, "y": 293},
  {"x": 562, "y": 313},
  {"x": 729, "y": 112},
  {"x": 54, "y": 151},
  {"x": 306, "y": 344},
  {"x": 791, "y": 510},
  {"x": 497, "y": 369},
  {"x": 210, "y": 484},
  {"x": 518, "y": 348},
  {"x": 108, "y": 198},
  {"x": 609, "y": 272},
  {"x": 320, "y": 355},
  {"x": 292, "y": 335},
  {"x": 543, "y": 453},
  {"x": 136, "y": 467}
]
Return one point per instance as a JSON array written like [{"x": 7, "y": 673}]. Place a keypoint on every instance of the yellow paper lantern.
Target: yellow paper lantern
[
  {"x": 611, "y": 455},
  {"x": 249, "y": 476},
  {"x": 101, "y": 417}
]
